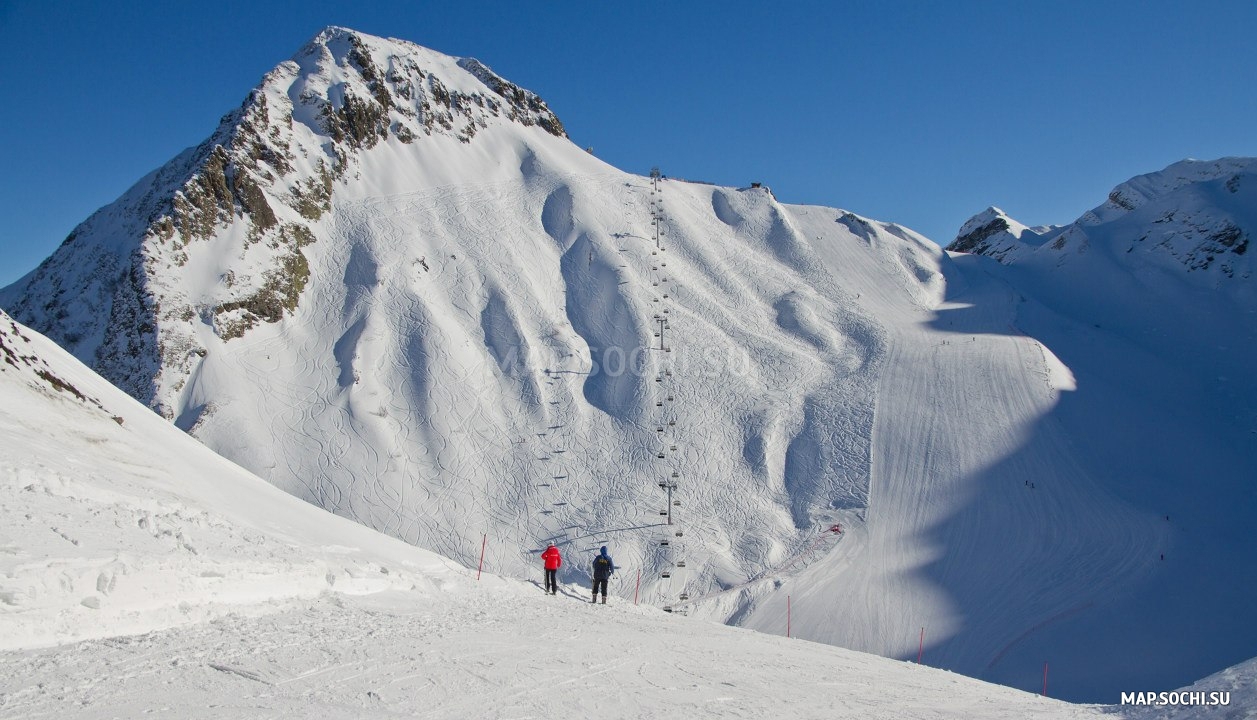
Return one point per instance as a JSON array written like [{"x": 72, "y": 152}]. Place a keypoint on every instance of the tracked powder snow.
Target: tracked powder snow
[{"x": 140, "y": 574}]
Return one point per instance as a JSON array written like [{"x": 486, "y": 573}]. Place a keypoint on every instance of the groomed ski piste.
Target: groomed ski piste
[
  {"x": 1010, "y": 452},
  {"x": 141, "y": 574}
]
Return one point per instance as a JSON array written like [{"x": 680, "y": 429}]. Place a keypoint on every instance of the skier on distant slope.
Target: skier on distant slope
[
  {"x": 553, "y": 560},
  {"x": 604, "y": 567}
]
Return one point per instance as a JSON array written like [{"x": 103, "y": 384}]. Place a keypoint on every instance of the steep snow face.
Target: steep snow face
[
  {"x": 1193, "y": 219},
  {"x": 478, "y": 359},
  {"x": 213, "y": 244}
]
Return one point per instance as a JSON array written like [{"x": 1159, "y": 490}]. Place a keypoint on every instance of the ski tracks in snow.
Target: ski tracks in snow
[{"x": 485, "y": 652}]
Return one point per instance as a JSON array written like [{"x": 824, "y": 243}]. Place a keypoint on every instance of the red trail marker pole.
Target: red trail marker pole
[
  {"x": 1045, "y": 678},
  {"x": 484, "y": 540},
  {"x": 787, "y": 616},
  {"x": 638, "y": 586},
  {"x": 921, "y": 646}
]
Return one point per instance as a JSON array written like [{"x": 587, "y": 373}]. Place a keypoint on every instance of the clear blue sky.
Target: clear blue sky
[{"x": 921, "y": 113}]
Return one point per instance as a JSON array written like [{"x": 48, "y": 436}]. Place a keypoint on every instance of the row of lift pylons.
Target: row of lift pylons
[{"x": 670, "y": 539}]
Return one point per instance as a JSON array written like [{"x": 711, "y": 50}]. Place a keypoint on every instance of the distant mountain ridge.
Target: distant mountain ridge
[{"x": 1194, "y": 214}]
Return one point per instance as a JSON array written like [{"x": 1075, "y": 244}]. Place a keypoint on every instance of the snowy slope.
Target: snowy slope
[
  {"x": 1230, "y": 693},
  {"x": 113, "y": 522},
  {"x": 438, "y": 324},
  {"x": 1149, "y": 301},
  {"x": 140, "y": 573}
]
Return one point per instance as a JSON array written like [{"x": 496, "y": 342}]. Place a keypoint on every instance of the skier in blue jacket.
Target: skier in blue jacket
[{"x": 604, "y": 567}]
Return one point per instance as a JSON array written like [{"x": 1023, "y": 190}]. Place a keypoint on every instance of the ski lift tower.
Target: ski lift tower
[{"x": 669, "y": 486}]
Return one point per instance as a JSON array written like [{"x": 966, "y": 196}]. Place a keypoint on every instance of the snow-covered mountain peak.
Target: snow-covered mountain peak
[
  {"x": 992, "y": 232},
  {"x": 990, "y": 218},
  {"x": 1150, "y": 187},
  {"x": 216, "y": 240},
  {"x": 362, "y": 89},
  {"x": 1194, "y": 217}
]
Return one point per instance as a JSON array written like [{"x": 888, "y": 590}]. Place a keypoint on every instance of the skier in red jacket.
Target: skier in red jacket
[{"x": 553, "y": 560}]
